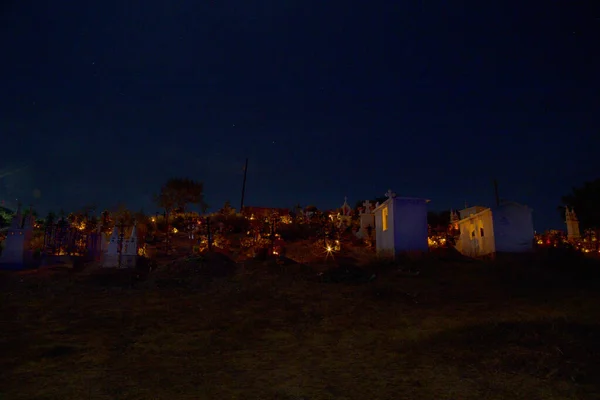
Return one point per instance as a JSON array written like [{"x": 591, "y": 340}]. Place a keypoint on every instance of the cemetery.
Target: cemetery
[{"x": 350, "y": 303}]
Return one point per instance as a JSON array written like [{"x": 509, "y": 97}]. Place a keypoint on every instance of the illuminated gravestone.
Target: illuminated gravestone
[
  {"x": 572, "y": 224},
  {"x": 111, "y": 258},
  {"x": 401, "y": 226},
  {"x": 367, "y": 220},
  {"x": 345, "y": 214},
  {"x": 15, "y": 254}
]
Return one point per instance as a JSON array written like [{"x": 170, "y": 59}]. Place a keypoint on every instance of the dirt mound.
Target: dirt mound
[
  {"x": 279, "y": 271},
  {"x": 217, "y": 265},
  {"x": 194, "y": 271},
  {"x": 448, "y": 254},
  {"x": 347, "y": 274},
  {"x": 113, "y": 278}
]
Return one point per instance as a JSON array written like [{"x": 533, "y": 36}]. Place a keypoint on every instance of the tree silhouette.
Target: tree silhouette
[
  {"x": 585, "y": 200},
  {"x": 227, "y": 209},
  {"x": 122, "y": 215},
  {"x": 438, "y": 219},
  {"x": 178, "y": 193}
]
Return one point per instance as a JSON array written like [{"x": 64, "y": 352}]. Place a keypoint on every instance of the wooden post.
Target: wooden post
[
  {"x": 496, "y": 192},
  {"x": 208, "y": 236},
  {"x": 166, "y": 218},
  {"x": 244, "y": 186}
]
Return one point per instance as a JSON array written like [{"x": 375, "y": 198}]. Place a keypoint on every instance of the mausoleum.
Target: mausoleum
[{"x": 401, "y": 225}]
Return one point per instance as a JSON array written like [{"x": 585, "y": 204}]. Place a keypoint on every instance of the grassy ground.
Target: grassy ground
[{"x": 501, "y": 330}]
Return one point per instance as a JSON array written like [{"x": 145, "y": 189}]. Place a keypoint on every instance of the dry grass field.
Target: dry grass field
[{"x": 213, "y": 329}]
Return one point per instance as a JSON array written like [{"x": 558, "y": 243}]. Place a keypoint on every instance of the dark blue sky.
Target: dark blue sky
[{"x": 103, "y": 101}]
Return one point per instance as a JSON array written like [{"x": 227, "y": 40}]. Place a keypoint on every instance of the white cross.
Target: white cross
[
  {"x": 390, "y": 194},
  {"x": 367, "y": 205}
]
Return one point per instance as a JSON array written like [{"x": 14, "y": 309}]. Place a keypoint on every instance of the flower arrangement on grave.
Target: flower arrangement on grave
[
  {"x": 329, "y": 237},
  {"x": 278, "y": 246},
  {"x": 252, "y": 244},
  {"x": 588, "y": 243},
  {"x": 218, "y": 241},
  {"x": 436, "y": 241},
  {"x": 261, "y": 235}
]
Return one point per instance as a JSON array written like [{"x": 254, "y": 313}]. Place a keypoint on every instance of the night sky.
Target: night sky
[{"x": 102, "y": 101}]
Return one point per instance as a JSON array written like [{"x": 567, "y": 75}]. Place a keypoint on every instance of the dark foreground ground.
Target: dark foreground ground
[{"x": 503, "y": 330}]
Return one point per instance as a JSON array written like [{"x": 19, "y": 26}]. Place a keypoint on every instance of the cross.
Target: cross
[
  {"x": 345, "y": 199},
  {"x": 367, "y": 205},
  {"x": 390, "y": 194}
]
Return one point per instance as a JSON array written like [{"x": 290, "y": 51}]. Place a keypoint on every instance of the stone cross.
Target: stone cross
[
  {"x": 367, "y": 205},
  {"x": 390, "y": 194}
]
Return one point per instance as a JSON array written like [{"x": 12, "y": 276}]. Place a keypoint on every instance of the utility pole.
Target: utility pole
[
  {"x": 208, "y": 234},
  {"x": 244, "y": 186},
  {"x": 496, "y": 192}
]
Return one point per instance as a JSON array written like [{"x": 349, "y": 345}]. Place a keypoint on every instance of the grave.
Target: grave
[
  {"x": 16, "y": 254},
  {"x": 507, "y": 228},
  {"x": 513, "y": 227},
  {"x": 476, "y": 227},
  {"x": 111, "y": 257},
  {"x": 401, "y": 226},
  {"x": 367, "y": 220},
  {"x": 121, "y": 252},
  {"x": 345, "y": 214},
  {"x": 572, "y": 224}
]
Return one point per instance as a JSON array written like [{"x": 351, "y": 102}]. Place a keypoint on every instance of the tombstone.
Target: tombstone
[
  {"x": 111, "y": 257},
  {"x": 308, "y": 215},
  {"x": 16, "y": 254},
  {"x": 129, "y": 250},
  {"x": 476, "y": 238},
  {"x": 572, "y": 224},
  {"x": 191, "y": 228},
  {"x": 507, "y": 228},
  {"x": 367, "y": 218},
  {"x": 345, "y": 214},
  {"x": 401, "y": 226}
]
